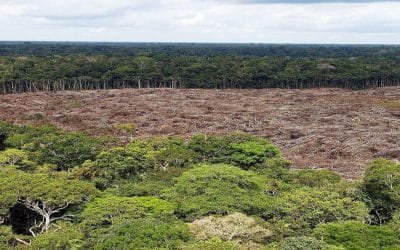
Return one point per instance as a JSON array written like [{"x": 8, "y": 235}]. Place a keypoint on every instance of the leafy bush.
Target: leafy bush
[
  {"x": 241, "y": 150},
  {"x": 6, "y": 236},
  {"x": 48, "y": 145},
  {"x": 15, "y": 157},
  {"x": 312, "y": 178},
  {"x": 26, "y": 198},
  {"x": 218, "y": 189},
  {"x": 5, "y": 130},
  {"x": 304, "y": 208},
  {"x": 145, "y": 233},
  {"x": 171, "y": 152},
  {"x": 63, "y": 236},
  {"x": 151, "y": 184},
  {"x": 302, "y": 243},
  {"x": 67, "y": 150},
  {"x": 111, "y": 210},
  {"x": 251, "y": 153},
  {"x": 382, "y": 187},
  {"x": 116, "y": 164},
  {"x": 212, "y": 244},
  {"x": 355, "y": 235},
  {"x": 209, "y": 148},
  {"x": 236, "y": 227},
  {"x": 29, "y": 136},
  {"x": 274, "y": 168}
]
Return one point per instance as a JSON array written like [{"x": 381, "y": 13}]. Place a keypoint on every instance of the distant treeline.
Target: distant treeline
[{"x": 30, "y": 67}]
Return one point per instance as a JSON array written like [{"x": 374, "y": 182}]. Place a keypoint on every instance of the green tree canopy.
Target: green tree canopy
[
  {"x": 46, "y": 196},
  {"x": 218, "y": 189},
  {"x": 382, "y": 187}
]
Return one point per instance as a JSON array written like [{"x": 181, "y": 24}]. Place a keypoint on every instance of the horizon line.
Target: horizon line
[{"x": 199, "y": 42}]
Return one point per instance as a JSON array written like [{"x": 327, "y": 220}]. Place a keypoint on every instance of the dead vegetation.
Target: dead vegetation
[
  {"x": 319, "y": 128},
  {"x": 236, "y": 227}
]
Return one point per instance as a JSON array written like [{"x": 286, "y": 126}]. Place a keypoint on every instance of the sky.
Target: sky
[{"x": 219, "y": 21}]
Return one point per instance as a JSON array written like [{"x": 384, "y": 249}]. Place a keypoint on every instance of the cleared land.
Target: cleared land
[{"x": 319, "y": 128}]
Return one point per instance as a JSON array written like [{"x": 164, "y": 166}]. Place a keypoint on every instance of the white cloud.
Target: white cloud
[{"x": 199, "y": 21}]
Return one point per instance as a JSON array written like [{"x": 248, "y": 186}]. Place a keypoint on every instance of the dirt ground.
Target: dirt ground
[{"x": 336, "y": 129}]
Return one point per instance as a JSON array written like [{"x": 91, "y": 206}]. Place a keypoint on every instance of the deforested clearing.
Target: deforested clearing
[{"x": 342, "y": 130}]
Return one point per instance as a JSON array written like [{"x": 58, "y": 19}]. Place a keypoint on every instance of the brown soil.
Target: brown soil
[{"x": 341, "y": 130}]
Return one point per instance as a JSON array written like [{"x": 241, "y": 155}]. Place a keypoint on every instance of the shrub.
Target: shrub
[
  {"x": 63, "y": 236},
  {"x": 21, "y": 137},
  {"x": 145, "y": 233},
  {"x": 274, "y": 168},
  {"x": 151, "y": 185},
  {"x": 212, "y": 244},
  {"x": 67, "y": 150},
  {"x": 252, "y": 153},
  {"x": 236, "y": 227},
  {"x": 112, "y": 166},
  {"x": 29, "y": 197},
  {"x": 302, "y": 243},
  {"x": 15, "y": 157},
  {"x": 6, "y": 236},
  {"x": 111, "y": 210},
  {"x": 209, "y": 148},
  {"x": 48, "y": 145},
  {"x": 128, "y": 128},
  {"x": 312, "y": 178},
  {"x": 394, "y": 223},
  {"x": 5, "y": 130},
  {"x": 382, "y": 186},
  {"x": 241, "y": 150},
  {"x": 303, "y": 209},
  {"x": 171, "y": 152},
  {"x": 218, "y": 189},
  {"x": 355, "y": 235}
]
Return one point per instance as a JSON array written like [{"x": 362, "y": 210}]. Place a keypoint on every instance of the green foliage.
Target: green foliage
[
  {"x": 47, "y": 144},
  {"x": 51, "y": 193},
  {"x": 128, "y": 128},
  {"x": 16, "y": 158},
  {"x": 54, "y": 191},
  {"x": 151, "y": 184},
  {"x": 394, "y": 223},
  {"x": 218, "y": 189},
  {"x": 312, "y": 178},
  {"x": 302, "y": 243},
  {"x": 357, "y": 236},
  {"x": 63, "y": 236},
  {"x": 44, "y": 67},
  {"x": 212, "y": 244},
  {"x": 5, "y": 130},
  {"x": 140, "y": 158},
  {"x": 116, "y": 164},
  {"x": 382, "y": 187},
  {"x": 29, "y": 136},
  {"x": 111, "y": 210},
  {"x": 236, "y": 190},
  {"x": 171, "y": 152},
  {"x": 248, "y": 154},
  {"x": 6, "y": 236},
  {"x": 68, "y": 150},
  {"x": 303, "y": 209},
  {"x": 241, "y": 150},
  {"x": 146, "y": 233}
]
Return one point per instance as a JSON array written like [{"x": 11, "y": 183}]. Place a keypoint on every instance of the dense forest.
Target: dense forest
[
  {"x": 71, "y": 191},
  {"x": 40, "y": 66}
]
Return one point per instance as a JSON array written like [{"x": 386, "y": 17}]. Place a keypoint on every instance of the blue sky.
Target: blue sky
[{"x": 258, "y": 21}]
